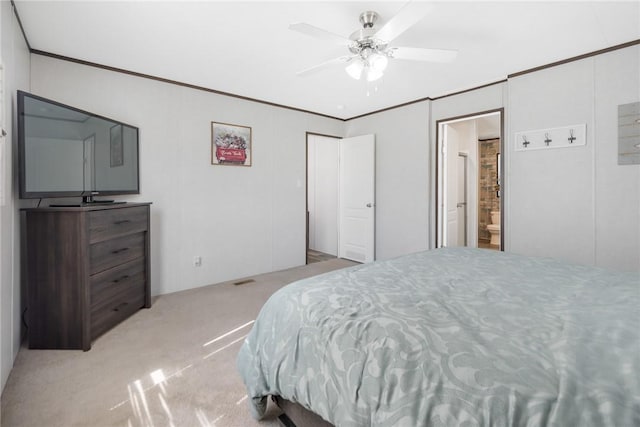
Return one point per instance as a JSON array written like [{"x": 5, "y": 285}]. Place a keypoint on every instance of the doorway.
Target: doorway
[
  {"x": 469, "y": 179},
  {"x": 323, "y": 169},
  {"x": 340, "y": 197}
]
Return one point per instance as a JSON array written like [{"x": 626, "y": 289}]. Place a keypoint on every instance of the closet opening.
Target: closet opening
[
  {"x": 323, "y": 171},
  {"x": 340, "y": 198}
]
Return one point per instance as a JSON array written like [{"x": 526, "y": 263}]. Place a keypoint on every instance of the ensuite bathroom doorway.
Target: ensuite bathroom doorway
[{"x": 469, "y": 180}]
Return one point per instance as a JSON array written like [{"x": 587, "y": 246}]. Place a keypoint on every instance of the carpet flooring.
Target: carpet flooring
[{"x": 171, "y": 365}]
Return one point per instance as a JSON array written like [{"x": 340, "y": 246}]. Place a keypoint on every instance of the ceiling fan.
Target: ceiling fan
[{"x": 369, "y": 50}]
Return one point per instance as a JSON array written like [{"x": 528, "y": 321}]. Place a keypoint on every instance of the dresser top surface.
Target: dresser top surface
[{"x": 84, "y": 208}]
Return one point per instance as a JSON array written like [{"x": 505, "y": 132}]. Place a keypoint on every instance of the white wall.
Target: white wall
[
  {"x": 241, "y": 220},
  {"x": 617, "y": 188},
  {"x": 575, "y": 203},
  {"x": 15, "y": 60},
  {"x": 402, "y": 177}
]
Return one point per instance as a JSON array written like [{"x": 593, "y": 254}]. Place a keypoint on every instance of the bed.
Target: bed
[{"x": 452, "y": 336}]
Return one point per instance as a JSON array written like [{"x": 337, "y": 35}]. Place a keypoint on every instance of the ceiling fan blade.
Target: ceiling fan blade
[
  {"x": 421, "y": 54},
  {"x": 323, "y": 65},
  {"x": 319, "y": 33},
  {"x": 409, "y": 15}
]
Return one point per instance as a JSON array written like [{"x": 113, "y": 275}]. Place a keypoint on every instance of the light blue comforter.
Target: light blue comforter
[{"x": 452, "y": 337}]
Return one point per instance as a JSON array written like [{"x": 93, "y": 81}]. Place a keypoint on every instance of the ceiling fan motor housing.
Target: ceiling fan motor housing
[
  {"x": 364, "y": 42},
  {"x": 368, "y": 18}
]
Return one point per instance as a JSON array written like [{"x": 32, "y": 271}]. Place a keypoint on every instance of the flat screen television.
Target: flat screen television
[{"x": 68, "y": 152}]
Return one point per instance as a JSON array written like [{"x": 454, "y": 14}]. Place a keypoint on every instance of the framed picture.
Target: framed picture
[
  {"x": 116, "y": 148},
  {"x": 230, "y": 144}
]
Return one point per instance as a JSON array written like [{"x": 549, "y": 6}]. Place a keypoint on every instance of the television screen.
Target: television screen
[{"x": 65, "y": 151}]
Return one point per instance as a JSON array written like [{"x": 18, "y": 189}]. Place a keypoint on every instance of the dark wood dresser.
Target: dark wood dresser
[{"x": 86, "y": 270}]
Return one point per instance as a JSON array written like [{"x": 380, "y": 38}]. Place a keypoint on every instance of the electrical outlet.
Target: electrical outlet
[{"x": 197, "y": 261}]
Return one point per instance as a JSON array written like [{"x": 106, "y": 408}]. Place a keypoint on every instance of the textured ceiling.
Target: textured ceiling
[{"x": 246, "y": 48}]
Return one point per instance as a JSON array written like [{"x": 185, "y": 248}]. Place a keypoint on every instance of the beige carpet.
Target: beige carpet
[{"x": 171, "y": 365}]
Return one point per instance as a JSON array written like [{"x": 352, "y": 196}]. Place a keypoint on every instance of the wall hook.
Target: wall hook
[
  {"x": 547, "y": 140},
  {"x": 571, "y": 137}
]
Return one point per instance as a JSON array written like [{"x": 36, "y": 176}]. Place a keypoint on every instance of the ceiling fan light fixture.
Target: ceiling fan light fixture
[
  {"x": 369, "y": 50},
  {"x": 378, "y": 62},
  {"x": 355, "y": 69},
  {"x": 371, "y": 64},
  {"x": 373, "y": 74}
]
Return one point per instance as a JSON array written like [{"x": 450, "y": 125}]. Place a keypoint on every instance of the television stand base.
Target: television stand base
[
  {"x": 102, "y": 202},
  {"x": 91, "y": 203}
]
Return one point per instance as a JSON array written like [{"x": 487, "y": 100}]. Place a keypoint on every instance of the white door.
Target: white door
[
  {"x": 357, "y": 199},
  {"x": 462, "y": 200},
  {"x": 452, "y": 222}
]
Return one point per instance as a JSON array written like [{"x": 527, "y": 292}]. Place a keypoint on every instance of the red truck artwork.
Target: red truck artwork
[
  {"x": 231, "y": 147},
  {"x": 231, "y": 155}
]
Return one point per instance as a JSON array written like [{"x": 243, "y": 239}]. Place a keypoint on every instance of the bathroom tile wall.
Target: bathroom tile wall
[{"x": 488, "y": 200}]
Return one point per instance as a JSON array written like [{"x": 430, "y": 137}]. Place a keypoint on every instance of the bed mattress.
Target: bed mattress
[{"x": 452, "y": 336}]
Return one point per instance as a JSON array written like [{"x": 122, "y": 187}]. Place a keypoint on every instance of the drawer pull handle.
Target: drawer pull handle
[
  {"x": 120, "y": 279},
  {"x": 122, "y": 221},
  {"x": 117, "y": 251},
  {"x": 119, "y": 306}
]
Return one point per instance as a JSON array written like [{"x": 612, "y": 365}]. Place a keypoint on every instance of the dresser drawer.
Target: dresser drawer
[
  {"x": 109, "y": 223},
  {"x": 110, "y": 284},
  {"x": 119, "y": 308},
  {"x": 108, "y": 254}
]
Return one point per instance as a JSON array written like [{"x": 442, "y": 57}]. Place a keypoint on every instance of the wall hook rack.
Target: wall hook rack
[{"x": 541, "y": 139}]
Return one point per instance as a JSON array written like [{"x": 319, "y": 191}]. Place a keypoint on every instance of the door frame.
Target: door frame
[{"x": 436, "y": 191}]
